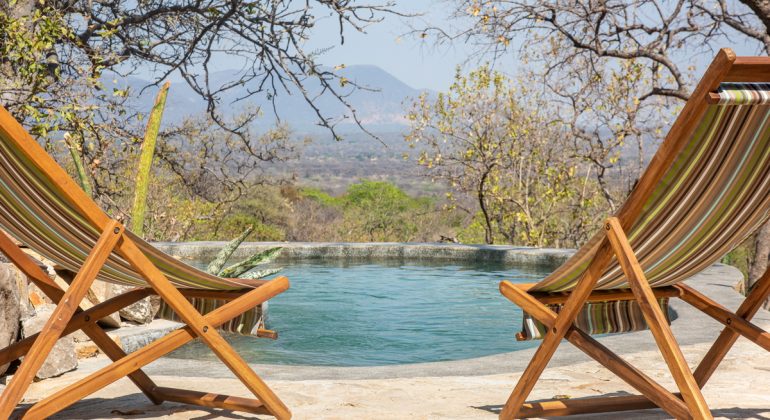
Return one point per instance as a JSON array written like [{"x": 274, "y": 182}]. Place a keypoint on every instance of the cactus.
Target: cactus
[
  {"x": 145, "y": 161},
  {"x": 75, "y": 148},
  {"x": 242, "y": 269}
]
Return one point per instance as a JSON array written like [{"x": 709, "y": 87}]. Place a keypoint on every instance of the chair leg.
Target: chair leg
[
  {"x": 151, "y": 352},
  {"x": 59, "y": 319},
  {"x": 553, "y": 337},
  {"x": 202, "y": 329},
  {"x": 728, "y": 336},
  {"x": 656, "y": 321},
  {"x": 653, "y": 393},
  {"x": 29, "y": 267}
]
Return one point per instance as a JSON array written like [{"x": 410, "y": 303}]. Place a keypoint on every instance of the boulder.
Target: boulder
[
  {"x": 62, "y": 357},
  {"x": 143, "y": 311},
  {"x": 10, "y": 306},
  {"x": 98, "y": 293}
]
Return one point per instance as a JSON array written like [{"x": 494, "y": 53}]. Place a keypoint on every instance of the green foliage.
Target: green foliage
[
  {"x": 740, "y": 259},
  {"x": 490, "y": 140},
  {"x": 380, "y": 211},
  {"x": 145, "y": 161},
  {"x": 320, "y": 197},
  {"x": 474, "y": 232},
  {"x": 368, "y": 211},
  {"x": 265, "y": 212}
]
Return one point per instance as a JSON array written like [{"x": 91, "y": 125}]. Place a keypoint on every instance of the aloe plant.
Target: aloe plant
[
  {"x": 243, "y": 269},
  {"x": 145, "y": 160},
  {"x": 216, "y": 265}
]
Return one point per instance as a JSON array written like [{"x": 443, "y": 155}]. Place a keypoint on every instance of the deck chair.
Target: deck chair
[
  {"x": 43, "y": 208},
  {"x": 706, "y": 190}
]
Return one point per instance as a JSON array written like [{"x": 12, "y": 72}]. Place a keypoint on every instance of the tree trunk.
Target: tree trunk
[
  {"x": 761, "y": 254},
  {"x": 488, "y": 237}
]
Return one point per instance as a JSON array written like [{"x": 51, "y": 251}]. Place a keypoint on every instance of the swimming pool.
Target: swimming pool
[{"x": 379, "y": 313}]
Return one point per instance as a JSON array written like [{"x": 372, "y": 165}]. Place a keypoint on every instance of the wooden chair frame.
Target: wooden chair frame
[
  {"x": 68, "y": 317},
  {"x": 689, "y": 402}
]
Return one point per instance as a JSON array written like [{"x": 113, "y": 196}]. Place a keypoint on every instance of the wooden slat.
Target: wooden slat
[
  {"x": 657, "y": 322},
  {"x": 208, "y": 333},
  {"x": 656, "y": 394},
  {"x": 728, "y": 336},
  {"x": 597, "y": 295},
  {"x": 25, "y": 263},
  {"x": 205, "y": 399},
  {"x": 215, "y": 294},
  {"x": 265, "y": 333},
  {"x": 730, "y": 320},
  {"x": 157, "y": 349},
  {"x": 568, "y": 407},
  {"x": 749, "y": 69},
  {"x": 712, "y": 98},
  {"x": 60, "y": 317}
]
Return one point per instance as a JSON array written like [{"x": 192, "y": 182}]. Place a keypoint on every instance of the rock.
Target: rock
[
  {"x": 143, "y": 311},
  {"x": 36, "y": 297},
  {"x": 62, "y": 357},
  {"x": 98, "y": 293},
  {"x": 86, "y": 350},
  {"x": 80, "y": 337},
  {"x": 10, "y": 306},
  {"x": 101, "y": 291}
]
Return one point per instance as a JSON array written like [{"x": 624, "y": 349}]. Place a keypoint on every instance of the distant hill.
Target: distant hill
[
  {"x": 381, "y": 105},
  {"x": 324, "y": 163}
]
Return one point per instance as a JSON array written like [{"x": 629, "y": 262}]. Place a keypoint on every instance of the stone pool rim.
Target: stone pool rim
[{"x": 376, "y": 251}]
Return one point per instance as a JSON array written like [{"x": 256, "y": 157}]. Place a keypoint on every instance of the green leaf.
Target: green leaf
[
  {"x": 253, "y": 275},
  {"x": 219, "y": 262},
  {"x": 263, "y": 257}
]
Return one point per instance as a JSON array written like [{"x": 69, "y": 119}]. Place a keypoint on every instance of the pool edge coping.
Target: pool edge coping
[{"x": 406, "y": 251}]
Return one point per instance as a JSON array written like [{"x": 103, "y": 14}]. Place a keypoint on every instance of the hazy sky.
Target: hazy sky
[
  {"x": 384, "y": 44},
  {"x": 418, "y": 64}
]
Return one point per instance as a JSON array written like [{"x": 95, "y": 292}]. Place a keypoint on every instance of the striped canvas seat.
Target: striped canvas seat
[
  {"x": 34, "y": 210},
  {"x": 715, "y": 194}
]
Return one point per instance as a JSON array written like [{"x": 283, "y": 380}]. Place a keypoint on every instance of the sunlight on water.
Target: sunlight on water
[{"x": 367, "y": 314}]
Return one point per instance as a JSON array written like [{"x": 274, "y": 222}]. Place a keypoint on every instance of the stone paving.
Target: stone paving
[{"x": 463, "y": 389}]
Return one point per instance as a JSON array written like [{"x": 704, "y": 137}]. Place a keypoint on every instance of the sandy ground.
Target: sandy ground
[
  {"x": 468, "y": 389},
  {"x": 739, "y": 389}
]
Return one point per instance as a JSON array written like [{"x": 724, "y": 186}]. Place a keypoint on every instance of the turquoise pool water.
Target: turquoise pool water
[{"x": 368, "y": 314}]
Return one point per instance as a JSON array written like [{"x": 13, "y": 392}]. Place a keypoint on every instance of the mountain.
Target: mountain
[{"x": 380, "y": 104}]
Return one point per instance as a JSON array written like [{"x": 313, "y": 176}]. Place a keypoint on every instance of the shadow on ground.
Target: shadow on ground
[
  {"x": 136, "y": 406},
  {"x": 730, "y": 413}
]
